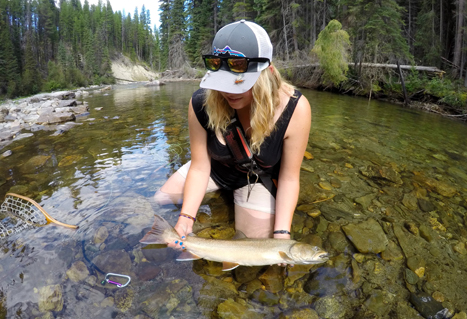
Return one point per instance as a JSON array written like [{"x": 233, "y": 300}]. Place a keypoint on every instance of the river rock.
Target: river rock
[
  {"x": 332, "y": 213},
  {"x": 417, "y": 264},
  {"x": 231, "y": 309},
  {"x": 410, "y": 201},
  {"x": 107, "y": 302},
  {"x": 78, "y": 271},
  {"x": 147, "y": 271},
  {"x": 427, "y": 306},
  {"x": 124, "y": 299},
  {"x": 380, "y": 302},
  {"x": 265, "y": 297},
  {"x": 411, "y": 277},
  {"x": 101, "y": 235},
  {"x": 460, "y": 248},
  {"x": 299, "y": 314},
  {"x": 356, "y": 272},
  {"x": 53, "y": 118},
  {"x": 439, "y": 187},
  {"x": 382, "y": 175},
  {"x": 367, "y": 237},
  {"x": 214, "y": 290},
  {"x": 338, "y": 241},
  {"x": 460, "y": 315},
  {"x": 425, "y": 205},
  {"x": 34, "y": 163},
  {"x": 296, "y": 272},
  {"x": 273, "y": 278},
  {"x": 365, "y": 200},
  {"x": 50, "y": 298},
  {"x": 6, "y": 154},
  {"x": 332, "y": 307},
  {"x": 408, "y": 242},
  {"x": 115, "y": 261},
  {"x": 392, "y": 252},
  {"x": 246, "y": 274}
]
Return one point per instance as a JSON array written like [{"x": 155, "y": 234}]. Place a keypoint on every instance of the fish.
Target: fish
[{"x": 239, "y": 251}]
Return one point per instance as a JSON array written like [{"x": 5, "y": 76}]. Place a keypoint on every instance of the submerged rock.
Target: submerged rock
[
  {"x": 231, "y": 309},
  {"x": 380, "y": 302},
  {"x": 382, "y": 175},
  {"x": 273, "y": 278},
  {"x": 115, "y": 261},
  {"x": 34, "y": 163},
  {"x": 50, "y": 298},
  {"x": 427, "y": 306},
  {"x": 101, "y": 235},
  {"x": 332, "y": 307},
  {"x": 78, "y": 271},
  {"x": 367, "y": 237},
  {"x": 299, "y": 314},
  {"x": 124, "y": 299}
]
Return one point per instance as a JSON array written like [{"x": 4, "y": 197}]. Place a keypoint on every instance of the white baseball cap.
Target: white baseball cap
[{"x": 243, "y": 39}]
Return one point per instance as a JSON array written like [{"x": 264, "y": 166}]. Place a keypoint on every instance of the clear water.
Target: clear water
[{"x": 102, "y": 174}]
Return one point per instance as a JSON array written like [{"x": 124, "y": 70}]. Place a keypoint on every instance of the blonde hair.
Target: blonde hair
[{"x": 266, "y": 100}]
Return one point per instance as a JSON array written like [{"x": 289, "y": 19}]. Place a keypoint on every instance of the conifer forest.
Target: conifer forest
[{"x": 47, "y": 45}]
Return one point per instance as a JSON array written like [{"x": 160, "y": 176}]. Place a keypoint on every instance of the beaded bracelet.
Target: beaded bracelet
[
  {"x": 188, "y": 216},
  {"x": 281, "y": 232}
]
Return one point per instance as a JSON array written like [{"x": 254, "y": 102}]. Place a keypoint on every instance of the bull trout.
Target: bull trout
[{"x": 239, "y": 251}]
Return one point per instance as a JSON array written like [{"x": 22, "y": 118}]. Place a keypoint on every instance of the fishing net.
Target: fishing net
[{"x": 20, "y": 212}]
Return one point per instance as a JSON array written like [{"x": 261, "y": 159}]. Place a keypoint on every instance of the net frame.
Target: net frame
[{"x": 21, "y": 212}]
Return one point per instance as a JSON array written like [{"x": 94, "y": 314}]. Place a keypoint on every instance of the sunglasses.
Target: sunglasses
[{"x": 234, "y": 63}]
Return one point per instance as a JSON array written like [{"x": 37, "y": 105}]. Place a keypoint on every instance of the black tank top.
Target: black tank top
[{"x": 223, "y": 169}]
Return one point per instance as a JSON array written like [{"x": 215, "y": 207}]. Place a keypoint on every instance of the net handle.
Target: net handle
[{"x": 47, "y": 216}]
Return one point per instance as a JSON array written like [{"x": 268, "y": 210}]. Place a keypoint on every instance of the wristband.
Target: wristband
[
  {"x": 187, "y": 216},
  {"x": 281, "y": 232}
]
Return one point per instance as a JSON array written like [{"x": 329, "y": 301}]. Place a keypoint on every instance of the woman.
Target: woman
[{"x": 241, "y": 84}]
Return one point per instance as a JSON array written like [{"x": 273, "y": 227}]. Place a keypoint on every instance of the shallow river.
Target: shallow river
[{"x": 383, "y": 189}]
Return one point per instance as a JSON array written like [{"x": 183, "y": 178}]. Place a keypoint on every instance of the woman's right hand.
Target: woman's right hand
[{"x": 183, "y": 227}]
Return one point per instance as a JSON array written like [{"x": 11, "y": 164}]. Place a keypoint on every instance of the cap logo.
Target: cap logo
[
  {"x": 229, "y": 51},
  {"x": 239, "y": 79}
]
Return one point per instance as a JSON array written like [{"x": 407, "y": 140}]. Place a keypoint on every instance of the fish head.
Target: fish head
[{"x": 306, "y": 254}]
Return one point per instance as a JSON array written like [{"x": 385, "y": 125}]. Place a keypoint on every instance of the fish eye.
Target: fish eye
[{"x": 316, "y": 248}]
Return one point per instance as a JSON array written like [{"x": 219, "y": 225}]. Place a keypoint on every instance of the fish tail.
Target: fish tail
[{"x": 161, "y": 232}]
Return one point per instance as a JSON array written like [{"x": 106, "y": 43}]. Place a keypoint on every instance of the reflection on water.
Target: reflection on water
[{"x": 384, "y": 193}]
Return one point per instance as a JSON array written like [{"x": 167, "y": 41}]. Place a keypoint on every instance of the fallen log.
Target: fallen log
[{"x": 379, "y": 65}]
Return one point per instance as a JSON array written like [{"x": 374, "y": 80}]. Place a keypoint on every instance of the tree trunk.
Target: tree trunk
[
  {"x": 286, "y": 42},
  {"x": 441, "y": 22},
  {"x": 458, "y": 38},
  {"x": 313, "y": 23},
  {"x": 294, "y": 31}
]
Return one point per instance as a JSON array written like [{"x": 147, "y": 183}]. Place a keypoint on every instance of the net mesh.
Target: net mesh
[{"x": 17, "y": 214}]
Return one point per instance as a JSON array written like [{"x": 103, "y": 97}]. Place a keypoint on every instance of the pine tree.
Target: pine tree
[
  {"x": 31, "y": 78},
  {"x": 9, "y": 71},
  {"x": 332, "y": 51},
  {"x": 377, "y": 31}
]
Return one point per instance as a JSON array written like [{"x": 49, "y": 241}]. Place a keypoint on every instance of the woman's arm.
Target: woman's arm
[
  {"x": 288, "y": 187},
  {"x": 198, "y": 174}
]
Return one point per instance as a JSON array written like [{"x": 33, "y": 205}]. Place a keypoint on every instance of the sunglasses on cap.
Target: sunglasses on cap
[{"x": 234, "y": 63}]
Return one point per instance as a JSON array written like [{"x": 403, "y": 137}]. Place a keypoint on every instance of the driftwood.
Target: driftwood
[
  {"x": 378, "y": 65},
  {"x": 125, "y": 80}
]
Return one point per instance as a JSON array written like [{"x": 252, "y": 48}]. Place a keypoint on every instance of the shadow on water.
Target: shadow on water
[{"x": 383, "y": 191}]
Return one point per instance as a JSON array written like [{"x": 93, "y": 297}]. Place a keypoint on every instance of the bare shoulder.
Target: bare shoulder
[{"x": 300, "y": 122}]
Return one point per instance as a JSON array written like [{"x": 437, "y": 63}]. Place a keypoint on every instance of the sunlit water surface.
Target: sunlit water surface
[{"x": 101, "y": 176}]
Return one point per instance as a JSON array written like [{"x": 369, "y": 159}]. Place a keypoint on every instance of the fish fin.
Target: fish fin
[
  {"x": 161, "y": 232},
  {"x": 285, "y": 257},
  {"x": 187, "y": 256},
  {"x": 192, "y": 234},
  {"x": 239, "y": 235},
  {"x": 226, "y": 266}
]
